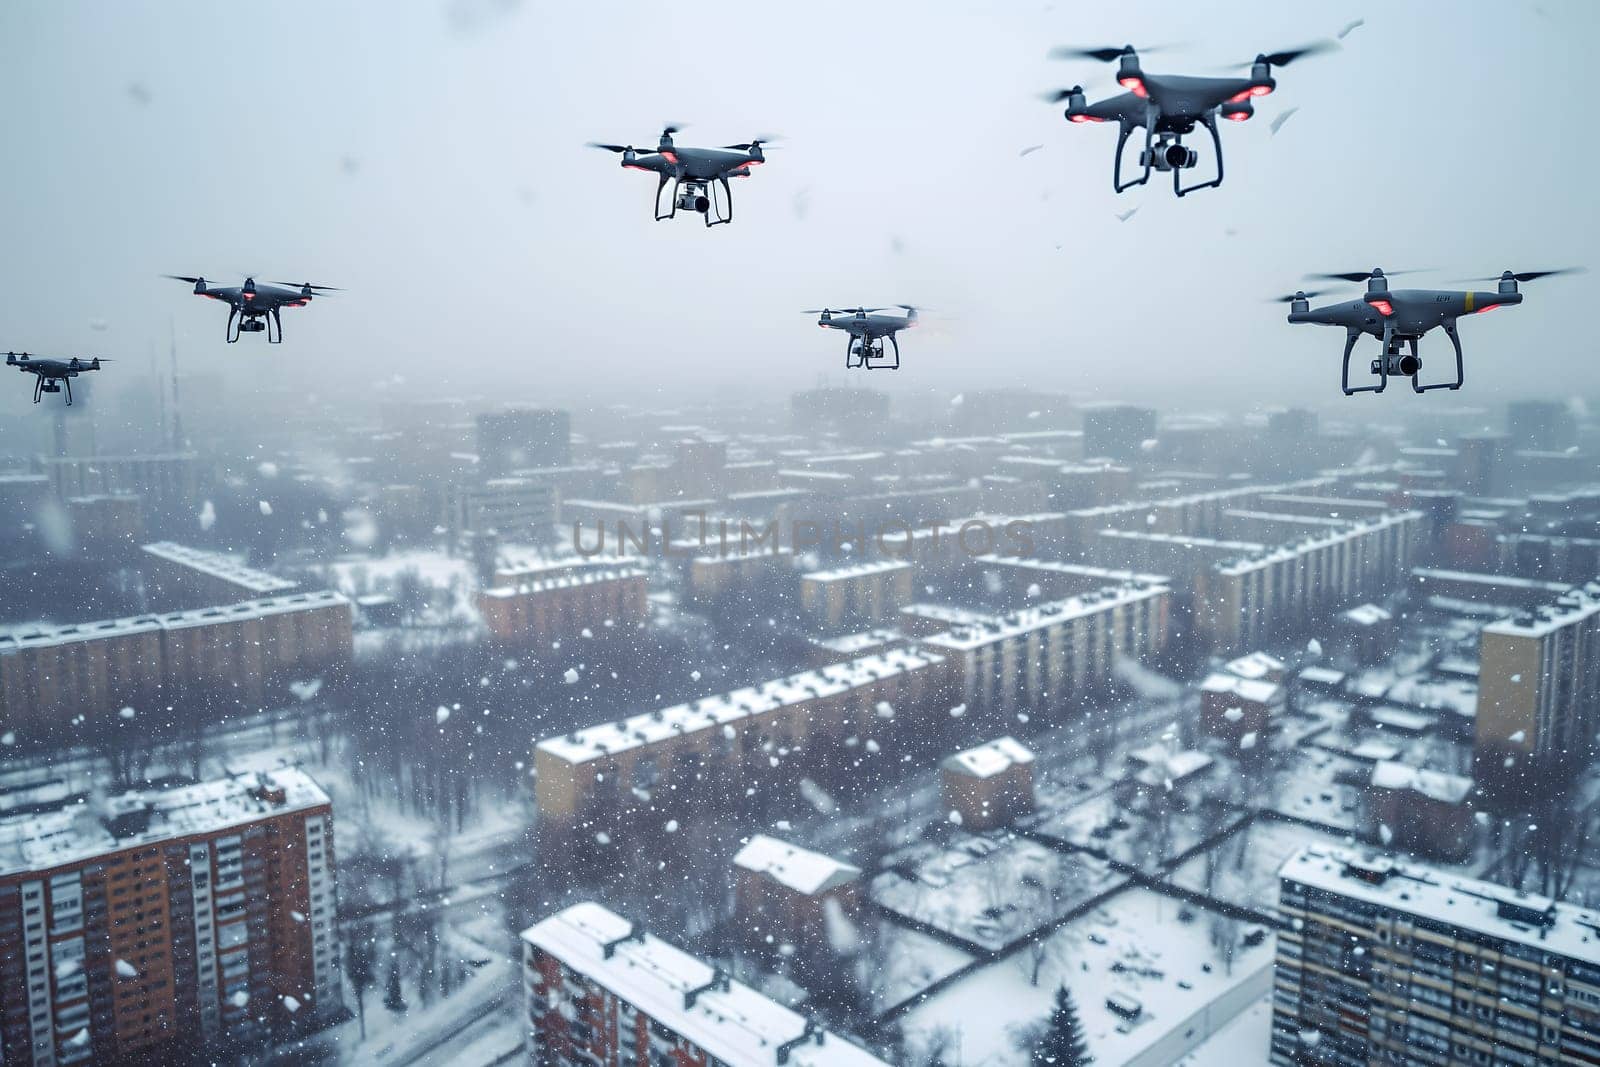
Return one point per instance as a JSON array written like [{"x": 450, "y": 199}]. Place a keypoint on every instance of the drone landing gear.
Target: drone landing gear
[
  {"x": 1379, "y": 366},
  {"x": 698, "y": 196},
  {"x": 1117, "y": 183},
  {"x": 1210, "y": 123},
  {"x": 43, "y": 385},
  {"x": 269, "y": 322},
  {"x": 869, "y": 354},
  {"x": 38, "y": 389},
  {"x": 1455, "y": 339}
]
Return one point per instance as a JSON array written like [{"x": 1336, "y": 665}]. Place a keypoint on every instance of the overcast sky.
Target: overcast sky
[{"x": 431, "y": 159}]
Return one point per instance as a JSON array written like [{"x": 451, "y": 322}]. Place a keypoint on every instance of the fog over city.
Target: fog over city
[{"x": 959, "y": 613}]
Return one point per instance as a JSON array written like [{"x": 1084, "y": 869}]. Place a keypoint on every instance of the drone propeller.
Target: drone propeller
[
  {"x": 1290, "y": 298},
  {"x": 1283, "y": 59},
  {"x": 752, "y": 143},
  {"x": 912, "y": 307},
  {"x": 1104, "y": 55},
  {"x": 1529, "y": 275},
  {"x": 620, "y": 148},
  {"x": 1060, "y": 96},
  {"x": 841, "y": 311},
  {"x": 1362, "y": 275},
  {"x": 308, "y": 285},
  {"x": 184, "y": 278}
]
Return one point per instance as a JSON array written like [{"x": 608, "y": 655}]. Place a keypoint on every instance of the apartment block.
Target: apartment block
[
  {"x": 1046, "y": 655},
  {"x": 1274, "y": 594},
  {"x": 49, "y": 676},
  {"x": 599, "y": 990},
  {"x": 1384, "y": 962},
  {"x": 864, "y": 592},
  {"x": 783, "y": 893},
  {"x": 539, "y": 611},
  {"x": 163, "y": 919},
  {"x": 178, "y": 576},
  {"x": 988, "y": 785},
  {"x": 591, "y": 775},
  {"x": 1538, "y": 694}
]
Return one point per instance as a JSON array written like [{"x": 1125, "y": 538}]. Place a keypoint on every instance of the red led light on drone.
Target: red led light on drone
[
  {"x": 1084, "y": 118},
  {"x": 670, "y": 157},
  {"x": 1241, "y": 96},
  {"x": 1237, "y": 116},
  {"x": 1384, "y": 307},
  {"x": 1261, "y": 90},
  {"x": 1481, "y": 310},
  {"x": 1134, "y": 86}
]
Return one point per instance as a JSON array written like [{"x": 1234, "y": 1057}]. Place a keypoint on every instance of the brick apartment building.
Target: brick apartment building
[
  {"x": 166, "y": 919},
  {"x": 49, "y": 676},
  {"x": 863, "y": 592},
  {"x": 546, "y": 609},
  {"x": 728, "y": 740},
  {"x": 782, "y": 893},
  {"x": 1041, "y": 655},
  {"x": 599, "y": 990}
]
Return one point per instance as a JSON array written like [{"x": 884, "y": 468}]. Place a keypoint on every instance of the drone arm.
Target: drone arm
[
  {"x": 1461, "y": 376},
  {"x": 1209, "y": 121}
]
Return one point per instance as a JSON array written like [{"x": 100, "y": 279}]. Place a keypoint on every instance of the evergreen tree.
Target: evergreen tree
[
  {"x": 393, "y": 998},
  {"x": 1062, "y": 1043}
]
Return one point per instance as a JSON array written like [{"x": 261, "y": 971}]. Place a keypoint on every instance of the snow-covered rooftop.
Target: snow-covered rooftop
[
  {"x": 1579, "y": 603},
  {"x": 73, "y": 832},
  {"x": 530, "y": 586},
  {"x": 1255, "y": 665},
  {"x": 1106, "y": 575},
  {"x": 797, "y": 868},
  {"x": 1252, "y": 689},
  {"x": 216, "y": 565},
  {"x": 856, "y": 570},
  {"x": 965, "y": 637},
  {"x": 990, "y": 759},
  {"x": 1368, "y": 615},
  {"x": 1323, "y": 676},
  {"x": 1435, "y": 785},
  {"x": 729, "y": 1020},
  {"x": 1483, "y": 908},
  {"x": 21, "y": 638},
  {"x": 581, "y": 746}
]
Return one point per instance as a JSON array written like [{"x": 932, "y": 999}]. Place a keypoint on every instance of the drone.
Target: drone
[
  {"x": 1167, "y": 106},
  {"x": 51, "y": 374},
  {"x": 1399, "y": 317},
  {"x": 257, "y": 307},
  {"x": 868, "y": 330},
  {"x": 695, "y": 173}
]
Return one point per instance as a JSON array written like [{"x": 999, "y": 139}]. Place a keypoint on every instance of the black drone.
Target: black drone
[
  {"x": 257, "y": 306},
  {"x": 695, "y": 173},
  {"x": 1402, "y": 316},
  {"x": 50, "y": 375},
  {"x": 1167, "y": 106},
  {"x": 868, "y": 330}
]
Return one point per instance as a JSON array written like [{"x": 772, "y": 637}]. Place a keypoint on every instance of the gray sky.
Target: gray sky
[{"x": 430, "y": 158}]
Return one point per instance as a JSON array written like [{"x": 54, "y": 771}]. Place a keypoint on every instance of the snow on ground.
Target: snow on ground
[
  {"x": 1108, "y": 950},
  {"x": 1247, "y": 863},
  {"x": 1319, "y": 787},
  {"x": 989, "y": 891},
  {"x": 1250, "y": 1029},
  {"x": 1144, "y": 830},
  {"x": 909, "y": 962}
]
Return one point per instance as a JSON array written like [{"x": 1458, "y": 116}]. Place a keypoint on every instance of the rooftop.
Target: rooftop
[
  {"x": 1577, "y": 604},
  {"x": 729, "y": 1020},
  {"x": 856, "y": 570},
  {"x": 75, "y": 832},
  {"x": 799, "y": 869},
  {"x": 1435, "y": 785},
  {"x": 530, "y": 586},
  {"x": 31, "y": 637},
  {"x": 1255, "y": 690},
  {"x": 1435, "y": 896},
  {"x": 595, "y": 742},
  {"x": 990, "y": 759},
  {"x": 216, "y": 565},
  {"x": 967, "y": 636}
]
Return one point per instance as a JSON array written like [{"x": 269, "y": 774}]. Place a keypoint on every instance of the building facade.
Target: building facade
[
  {"x": 1538, "y": 694},
  {"x": 1383, "y": 962},
  {"x": 543, "y": 610},
  {"x": 47, "y": 677},
  {"x": 588, "y": 777},
  {"x": 864, "y": 592},
  {"x": 598, "y": 990},
  {"x": 167, "y": 920},
  {"x": 1051, "y": 654}
]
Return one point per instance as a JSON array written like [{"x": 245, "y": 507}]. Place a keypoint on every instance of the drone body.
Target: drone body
[
  {"x": 1169, "y": 106},
  {"x": 51, "y": 375},
  {"x": 867, "y": 330},
  {"x": 258, "y": 308},
  {"x": 1400, "y": 318},
  {"x": 696, "y": 174}
]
